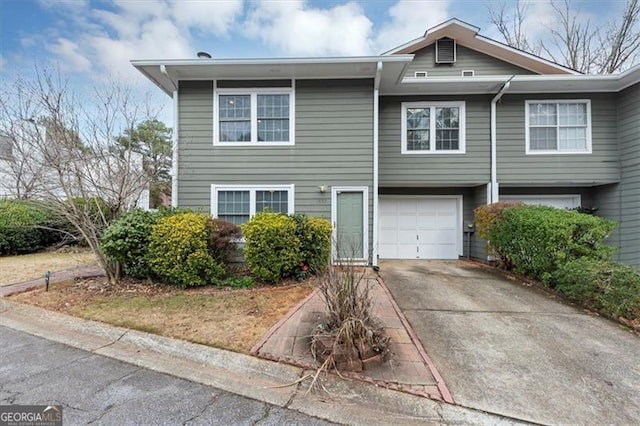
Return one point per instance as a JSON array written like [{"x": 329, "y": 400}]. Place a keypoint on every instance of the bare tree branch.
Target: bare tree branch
[
  {"x": 511, "y": 27},
  {"x": 66, "y": 144}
]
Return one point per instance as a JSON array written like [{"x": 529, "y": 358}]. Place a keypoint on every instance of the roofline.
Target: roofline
[
  {"x": 480, "y": 37},
  {"x": 273, "y": 61}
]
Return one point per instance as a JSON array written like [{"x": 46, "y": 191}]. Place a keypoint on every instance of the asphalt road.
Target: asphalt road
[{"x": 96, "y": 389}]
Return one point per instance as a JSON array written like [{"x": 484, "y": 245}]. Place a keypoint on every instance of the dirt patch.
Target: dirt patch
[
  {"x": 220, "y": 317},
  {"x": 16, "y": 269}
]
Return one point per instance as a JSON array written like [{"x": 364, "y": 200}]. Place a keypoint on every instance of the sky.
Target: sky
[{"x": 92, "y": 40}]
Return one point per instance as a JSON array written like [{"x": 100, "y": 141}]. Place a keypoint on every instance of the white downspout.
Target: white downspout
[
  {"x": 174, "y": 154},
  {"x": 376, "y": 108},
  {"x": 174, "y": 147},
  {"x": 493, "y": 196}
]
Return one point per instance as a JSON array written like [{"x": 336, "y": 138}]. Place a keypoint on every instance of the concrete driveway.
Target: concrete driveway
[{"x": 514, "y": 350}]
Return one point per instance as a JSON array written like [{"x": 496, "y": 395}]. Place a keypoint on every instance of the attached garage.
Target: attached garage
[
  {"x": 561, "y": 201},
  {"x": 420, "y": 227}
]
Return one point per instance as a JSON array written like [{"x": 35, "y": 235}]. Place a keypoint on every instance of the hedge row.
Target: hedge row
[
  {"x": 189, "y": 249},
  {"x": 563, "y": 249},
  {"x": 26, "y": 227},
  {"x": 180, "y": 248}
]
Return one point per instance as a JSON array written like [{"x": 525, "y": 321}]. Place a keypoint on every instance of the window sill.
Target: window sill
[
  {"x": 433, "y": 152},
  {"x": 557, "y": 152},
  {"x": 253, "y": 144}
]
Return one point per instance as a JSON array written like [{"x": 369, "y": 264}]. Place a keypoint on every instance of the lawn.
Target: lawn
[
  {"x": 14, "y": 269},
  {"x": 219, "y": 317}
]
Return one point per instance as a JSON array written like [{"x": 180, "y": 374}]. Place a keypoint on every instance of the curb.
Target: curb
[{"x": 343, "y": 401}]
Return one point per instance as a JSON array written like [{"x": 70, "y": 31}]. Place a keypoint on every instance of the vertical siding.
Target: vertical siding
[
  {"x": 517, "y": 168},
  {"x": 471, "y": 168},
  {"x": 333, "y": 146},
  {"x": 466, "y": 59},
  {"x": 629, "y": 138}
]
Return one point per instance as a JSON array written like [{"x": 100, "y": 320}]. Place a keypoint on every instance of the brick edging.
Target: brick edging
[
  {"x": 442, "y": 387},
  {"x": 256, "y": 348}
]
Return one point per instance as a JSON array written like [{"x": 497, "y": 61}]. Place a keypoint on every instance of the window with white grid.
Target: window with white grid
[
  {"x": 262, "y": 116},
  {"x": 558, "y": 127},
  {"x": 237, "y": 203},
  {"x": 433, "y": 128}
]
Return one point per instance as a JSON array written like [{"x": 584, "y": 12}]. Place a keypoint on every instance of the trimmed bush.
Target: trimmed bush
[
  {"x": 127, "y": 239},
  {"x": 610, "y": 287},
  {"x": 314, "y": 234},
  {"x": 272, "y": 248},
  {"x": 26, "y": 227},
  {"x": 178, "y": 251},
  {"x": 536, "y": 240},
  {"x": 488, "y": 215}
]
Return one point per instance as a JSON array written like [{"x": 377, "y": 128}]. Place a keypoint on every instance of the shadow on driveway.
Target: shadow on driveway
[{"x": 514, "y": 350}]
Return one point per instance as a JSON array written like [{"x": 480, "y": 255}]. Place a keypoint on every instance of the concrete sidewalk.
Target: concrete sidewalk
[
  {"x": 345, "y": 401},
  {"x": 514, "y": 349}
]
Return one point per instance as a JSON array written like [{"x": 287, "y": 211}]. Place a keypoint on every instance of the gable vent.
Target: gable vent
[
  {"x": 445, "y": 51},
  {"x": 420, "y": 74},
  {"x": 468, "y": 73}
]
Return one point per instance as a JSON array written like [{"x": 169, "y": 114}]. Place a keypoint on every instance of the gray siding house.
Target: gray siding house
[{"x": 397, "y": 150}]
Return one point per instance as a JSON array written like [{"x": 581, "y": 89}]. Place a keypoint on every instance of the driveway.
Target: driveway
[{"x": 511, "y": 349}]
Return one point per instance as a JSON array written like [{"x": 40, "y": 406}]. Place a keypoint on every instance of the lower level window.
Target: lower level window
[{"x": 236, "y": 204}]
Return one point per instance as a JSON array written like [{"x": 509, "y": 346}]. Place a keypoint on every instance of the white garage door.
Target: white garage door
[
  {"x": 568, "y": 201},
  {"x": 419, "y": 228}
]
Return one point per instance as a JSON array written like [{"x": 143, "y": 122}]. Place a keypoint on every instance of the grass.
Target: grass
[
  {"x": 14, "y": 269},
  {"x": 219, "y": 317}
]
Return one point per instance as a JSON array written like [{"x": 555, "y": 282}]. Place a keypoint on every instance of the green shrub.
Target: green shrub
[
  {"x": 610, "y": 287},
  {"x": 239, "y": 282},
  {"x": 272, "y": 248},
  {"x": 26, "y": 227},
  {"x": 178, "y": 251},
  {"x": 536, "y": 240},
  {"x": 490, "y": 214},
  {"x": 314, "y": 234},
  {"x": 127, "y": 239}
]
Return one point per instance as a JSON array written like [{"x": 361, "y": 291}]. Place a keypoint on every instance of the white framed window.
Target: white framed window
[
  {"x": 558, "y": 126},
  {"x": 237, "y": 203},
  {"x": 257, "y": 116},
  {"x": 433, "y": 128}
]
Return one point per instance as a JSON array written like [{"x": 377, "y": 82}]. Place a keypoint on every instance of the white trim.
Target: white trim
[
  {"x": 365, "y": 218},
  {"x": 588, "y": 145},
  {"x": 254, "y": 92},
  {"x": 494, "y": 196},
  {"x": 459, "y": 212},
  {"x": 432, "y": 127},
  {"x": 577, "y": 198},
  {"x": 174, "y": 151},
  {"x": 290, "y": 188},
  {"x": 376, "y": 113}
]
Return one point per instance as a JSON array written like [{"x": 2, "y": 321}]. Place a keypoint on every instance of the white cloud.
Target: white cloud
[
  {"x": 296, "y": 29},
  {"x": 214, "y": 18},
  {"x": 70, "y": 56},
  {"x": 410, "y": 20}
]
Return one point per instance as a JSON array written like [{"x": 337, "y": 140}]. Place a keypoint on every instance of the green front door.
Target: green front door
[{"x": 349, "y": 226}]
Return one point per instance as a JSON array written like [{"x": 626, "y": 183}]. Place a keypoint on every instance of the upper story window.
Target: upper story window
[
  {"x": 433, "y": 128},
  {"x": 262, "y": 116},
  {"x": 558, "y": 127},
  {"x": 237, "y": 203}
]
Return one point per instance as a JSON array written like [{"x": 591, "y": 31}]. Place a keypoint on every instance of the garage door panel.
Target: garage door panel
[{"x": 419, "y": 228}]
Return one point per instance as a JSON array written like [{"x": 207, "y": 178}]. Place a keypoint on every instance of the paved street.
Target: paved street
[{"x": 96, "y": 389}]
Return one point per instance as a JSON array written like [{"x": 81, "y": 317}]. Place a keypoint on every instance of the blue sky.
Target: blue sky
[{"x": 90, "y": 40}]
